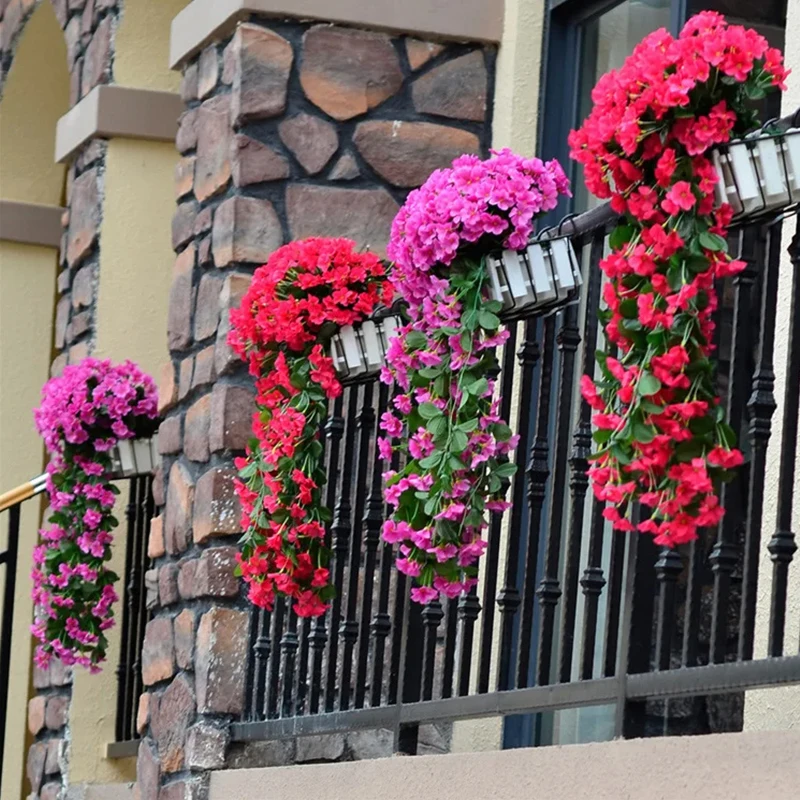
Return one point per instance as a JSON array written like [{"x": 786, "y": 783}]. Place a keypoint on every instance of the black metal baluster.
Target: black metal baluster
[
  {"x": 782, "y": 545},
  {"x": 495, "y": 533},
  {"x": 592, "y": 583},
  {"x": 579, "y": 463},
  {"x": 432, "y": 615},
  {"x": 451, "y": 629},
  {"x": 691, "y": 618},
  {"x": 124, "y": 670},
  {"x": 469, "y": 607},
  {"x": 616, "y": 572},
  {"x": 348, "y": 630},
  {"x": 400, "y": 593},
  {"x": 508, "y": 599},
  {"x": 142, "y": 614},
  {"x": 273, "y": 689},
  {"x": 382, "y": 622},
  {"x": 761, "y": 406},
  {"x": 334, "y": 430},
  {"x": 668, "y": 568},
  {"x": 289, "y": 646},
  {"x": 340, "y": 530},
  {"x": 549, "y": 590},
  {"x": 724, "y": 555},
  {"x": 373, "y": 519},
  {"x": 301, "y": 681},
  {"x": 537, "y": 472},
  {"x": 261, "y": 651}
]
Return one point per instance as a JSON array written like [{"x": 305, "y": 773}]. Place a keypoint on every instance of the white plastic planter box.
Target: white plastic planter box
[
  {"x": 361, "y": 350},
  {"x": 135, "y": 457},
  {"x": 544, "y": 277},
  {"x": 760, "y": 173}
]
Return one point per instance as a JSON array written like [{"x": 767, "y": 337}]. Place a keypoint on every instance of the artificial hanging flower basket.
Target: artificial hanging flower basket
[
  {"x": 662, "y": 125},
  {"x": 759, "y": 173},
  {"x": 308, "y": 294},
  {"x": 541, "y": 278},
  {"x": 359, "y": 351},
  {"x": 445, "y": 423},
  {"x": 132, "y": 457},
  {"x": 89, "y": 412}
]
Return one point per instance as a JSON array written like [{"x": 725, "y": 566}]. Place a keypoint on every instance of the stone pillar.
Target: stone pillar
[{"x": 291, "y": 130}]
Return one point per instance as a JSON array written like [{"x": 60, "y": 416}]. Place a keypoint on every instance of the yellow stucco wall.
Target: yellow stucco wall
[
  {"x": 135, "y": 276},
  {"x": 779, "y": 709},
  {"x": 36, "y": 94},
  {"x": 142, "y": 45},
  {"x": 27, "y": 289}
]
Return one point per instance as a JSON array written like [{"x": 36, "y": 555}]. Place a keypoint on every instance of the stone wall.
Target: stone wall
[{"x": 291, "y": 130}]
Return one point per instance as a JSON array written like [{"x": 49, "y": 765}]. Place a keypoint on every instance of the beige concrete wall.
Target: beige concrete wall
[
  {"x": 519, "y": 64},
  {"x": 27, "y": 289},
  {"x": 142, "y": 45},
  {"x": 135, "y": 275},
  {"x": 727, "y": 767},
  {"x": 36, "y": 94},
  {"x": 774, "y": 709}
]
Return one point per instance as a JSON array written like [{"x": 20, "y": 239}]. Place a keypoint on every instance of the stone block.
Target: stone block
[
  {"x": 62, "y": 319},
  {"x": 151, "y": 589},
  {"x": 148, "y": 772},
  {"x": 169, "y": 436},
  {"x": 183, "y": 627},
  {"x": 252, "y": 755},
  {"x": 170, "y": 722},
  {"x": 36, "y": 707},
  {"x": 262, "y": 62},
  {"x": 312, "y": 140},
  {"x": 214, "y": 575},
  {"x": 84, "y": 219},
  {"x": 365, "y": 745},
  {"x": 186, "y": 138},
  {"x": 455, "y": 89},
  {"x": 186, "y": 577},
  {"x": 205, "y": 746},
  {"x": 206, "y": 312},
  {"x": 405, "y": 153},
  {"x": 324, "y": 747},
  {"x": 155, "y": 539},
  {"x": 183, "y": 224},
  {"x": 221, "y": 661},
  {"x": 246, "y": 229},
  {"x": 179, "y": 312},
  {"x": 168, "y": 584},
  {"x": 184, "y": 176},
  {"x": 180, "y": 501},
  {"x": 217, "y": 511},
  {"x": 37, "y": 755},
  {"x": 420, "y": 53},
  {"x": 196, "y": 436},
  {"x": 167, "y": 388},
  {"x": 57, "y": 713},
  {"x": 143, "y": 711},
  {"x": 345, "y": 169},
  {"x": 208, "y": 71},
  {"x": 52, "y": 762},
  {"x": 185, "y": 372},
  {"x": 189, "y": 82},
  {"x": 364, "y": 215},
  {"x": 204, "y": 371},
  {"x": 213, "y": 167},
  {"x": 158, "y": 651},
  {"x": 83, "y": 287},
  {"x": 232, "y": 409},
  {"x": 346, "y": 72},
  {"x": 254, "y": 162},
  {"x": 97, "y": 57}
]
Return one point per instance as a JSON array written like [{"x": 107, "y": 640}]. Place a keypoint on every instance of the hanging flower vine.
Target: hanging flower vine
[
  {"x": 296, "y": 302},
  {"x": 445, "y": 421},
  {"x": 661, "y": 430},
  {"x": 84, "y": 413}
]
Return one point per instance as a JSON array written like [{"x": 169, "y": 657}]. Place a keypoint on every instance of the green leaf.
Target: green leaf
[
  {"x": 415, "y": 340},
  {"x": 643, "y": 433},
  {"x": 495, "y": 306},
  {"x": 649, "y": 385},
  {"x": 431, "y": 373},
  {"x": 629, "y": 309},
  {"x": 505, "y": 470},
  {"x": 710, "y": 241},
  {"x": 437, "y": 426},
  {"x": 468, "y": 426},
  {"x": 488, "y": 321},
  {"x": 621, "y": 235},
  {"x": 478, "y": 387},
  {"x": 429, "y": 411},
  {"x": 502, "y": 432},
  {"x": 431, "y": 461},
  {"x": 440, "y": 386},
  {"x": 454, "y": 462},
  {"x": 459, "y": 442},
  {"x": 601, "y": 436}
]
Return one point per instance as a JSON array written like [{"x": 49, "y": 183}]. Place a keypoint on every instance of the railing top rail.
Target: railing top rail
[{"x": 23, "y": 492}]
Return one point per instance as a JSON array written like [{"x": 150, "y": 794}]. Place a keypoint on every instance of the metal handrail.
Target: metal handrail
[{"x": 23, "y": 492}]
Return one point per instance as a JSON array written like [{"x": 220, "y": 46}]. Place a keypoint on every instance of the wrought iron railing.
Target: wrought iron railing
[{"x": 567, "y": 614}]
